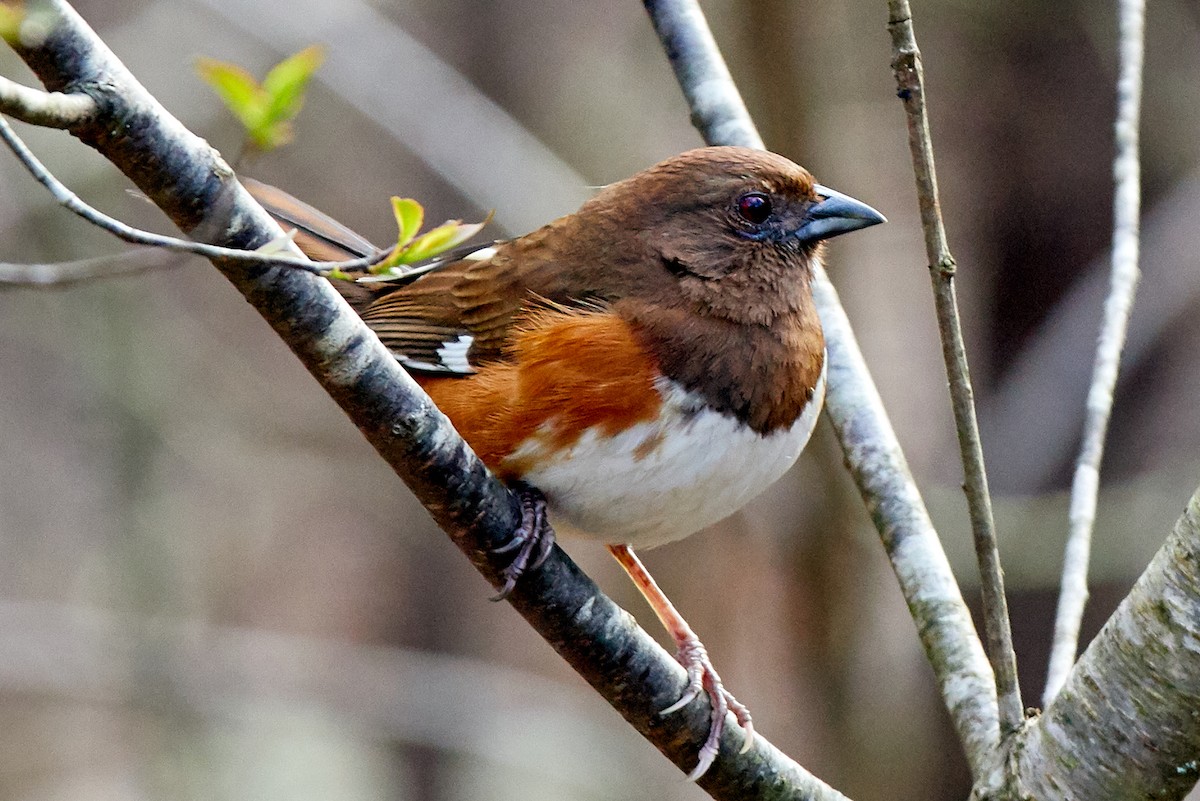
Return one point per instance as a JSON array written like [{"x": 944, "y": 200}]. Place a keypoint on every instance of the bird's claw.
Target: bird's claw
[
  {"x": 703, "y": 678},
  {"x": 533, "y": 540}
]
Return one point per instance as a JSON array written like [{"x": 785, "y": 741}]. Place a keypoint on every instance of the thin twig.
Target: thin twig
[
  {"x": 136, "y": 236},
  {"x": 47, "y": 109},
  {"x": 881, "y": 473},
  {"x": 1085, "y": 488},
  {"x": 860, "y": 422},
  {"x": 906, "y": 64}
]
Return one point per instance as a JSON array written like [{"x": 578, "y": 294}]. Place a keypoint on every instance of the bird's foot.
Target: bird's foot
[
  {"x": 703, "y": 678},
  {"x": 532, "y": 541}
]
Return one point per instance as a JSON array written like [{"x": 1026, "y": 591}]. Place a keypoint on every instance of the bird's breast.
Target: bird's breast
[
  {"x": 623, "y": 449},
  {"x": 663, "y": 478}
]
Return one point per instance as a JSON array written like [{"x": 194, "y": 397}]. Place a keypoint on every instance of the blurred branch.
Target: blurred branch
[
  {"x": 188, "y": 180},
  {"x": 1085, "y": 487},
  {"x": 461, "y": 705},
  {"x": 63, "y": 274},
  {"x": 717, "y": 108},
  {"x": 906, "y": 64},
  {"x": 863, "y": 429},
  {"x": 1057, "y": 361},
  {"x": 1124, "y": 725},
  {"x": 47, "y": 109},
  {"x": 430, "y": 109}
]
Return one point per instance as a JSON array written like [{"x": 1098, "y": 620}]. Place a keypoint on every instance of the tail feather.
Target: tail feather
[
  {"x": 318, "y": 235},
  {"x": 322, "y": 238}
]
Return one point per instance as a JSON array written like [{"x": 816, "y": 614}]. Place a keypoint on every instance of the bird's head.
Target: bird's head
[{"x": 736, "y": 229}]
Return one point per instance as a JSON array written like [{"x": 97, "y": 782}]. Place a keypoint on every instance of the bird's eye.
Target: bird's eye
[{"x": 754, "y": 208}]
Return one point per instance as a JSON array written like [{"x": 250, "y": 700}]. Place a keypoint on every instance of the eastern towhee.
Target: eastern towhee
[{"x": 643, "y": 367}]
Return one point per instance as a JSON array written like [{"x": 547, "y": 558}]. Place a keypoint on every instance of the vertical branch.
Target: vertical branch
[
  {"x": 718, "y": 111},
  {"x": 859, "y": 420},
  {"x": 1122, "y": 287},
  {"x": 906, "y": 64}
]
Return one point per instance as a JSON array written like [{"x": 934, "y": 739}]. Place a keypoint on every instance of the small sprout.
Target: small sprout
[
  {"x": 265, "y": 110},
  {"x": 410, "y": 248},
  {"x": 409, "y": 217},
  {"x": 339, "y": 275},
  {"x": 439, "y": 240}
]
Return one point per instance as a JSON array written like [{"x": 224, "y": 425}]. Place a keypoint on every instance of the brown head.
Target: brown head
[{"x": 728, "y": 231}]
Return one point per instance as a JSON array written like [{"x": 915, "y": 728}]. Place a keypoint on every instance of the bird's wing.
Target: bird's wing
[
  {"x": 464, "y": 314},
  {"x": 451, "y": 319}
]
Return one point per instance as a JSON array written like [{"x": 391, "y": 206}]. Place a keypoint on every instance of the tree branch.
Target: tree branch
[
  {"x": 1085, "y": 488},
  {"x": 187, "y": 179},
  {"x": 863, "y": 429},
  {"x": 1125, "y": 723},
  {"x": 906, "y": 64},
  {"x": 47, "y": 109},
  {"x": 717, "y": 108}
]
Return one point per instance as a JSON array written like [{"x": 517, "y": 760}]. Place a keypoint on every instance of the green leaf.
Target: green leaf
[
  {"x": 266, "y": 111},
  {"x": 237, "y": 88},
  {"x": 439, "y": 240},
  {"x": 287, "y": 80},
  {"x": 409, "y": 250},
  {"x": 409, "y": 217}
]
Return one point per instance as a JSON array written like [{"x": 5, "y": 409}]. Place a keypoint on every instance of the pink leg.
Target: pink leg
[{"x": 702, "y": 677}]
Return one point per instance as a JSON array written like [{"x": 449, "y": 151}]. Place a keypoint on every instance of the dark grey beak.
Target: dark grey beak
[{"x": 835, "y": 214}]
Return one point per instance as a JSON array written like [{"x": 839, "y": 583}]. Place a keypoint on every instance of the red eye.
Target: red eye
[{"x": 754, "y": 207}]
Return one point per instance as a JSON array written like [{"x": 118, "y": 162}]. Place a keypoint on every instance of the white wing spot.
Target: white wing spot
[
  {"x": 453, "y": 355},
  {"x": 483, "y": 254}
]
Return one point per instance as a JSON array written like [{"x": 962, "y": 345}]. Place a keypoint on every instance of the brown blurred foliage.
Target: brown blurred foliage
[{"x": 213, "y": 589}]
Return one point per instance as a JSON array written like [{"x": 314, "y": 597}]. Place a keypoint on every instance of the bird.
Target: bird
[{"x": 637, "y": 370}]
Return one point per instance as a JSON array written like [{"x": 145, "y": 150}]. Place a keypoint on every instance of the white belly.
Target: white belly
[{"x": 662, "y": 480}]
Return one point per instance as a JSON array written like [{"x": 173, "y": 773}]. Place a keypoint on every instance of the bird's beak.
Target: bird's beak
[{"x": 835, "y": 214}]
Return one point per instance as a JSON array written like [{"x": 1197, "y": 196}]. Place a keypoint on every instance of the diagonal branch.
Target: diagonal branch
[
  {"x": 717, "y": 108},
  {"x": 1123, "y": 281},
  {"x": 182, "y": 175},
  {"x": 863, "y": 429},
  {"x": 906, "y": 64}
]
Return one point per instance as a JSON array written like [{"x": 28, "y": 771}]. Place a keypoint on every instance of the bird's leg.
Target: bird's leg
[
  {"x": 702, "y": 676},
  {"x": 533, "y": 539}
]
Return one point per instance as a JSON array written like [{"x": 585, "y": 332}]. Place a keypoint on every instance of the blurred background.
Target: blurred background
[{"x": 212, "y": 589}]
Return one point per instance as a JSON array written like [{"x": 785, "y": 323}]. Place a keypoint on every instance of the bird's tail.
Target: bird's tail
[
  {"x": 318, "y": 235},
  {"x": 321, "y": 237}
]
